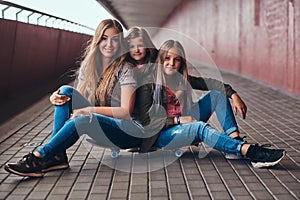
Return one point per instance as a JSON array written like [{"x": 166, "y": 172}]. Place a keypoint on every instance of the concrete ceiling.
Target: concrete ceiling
[{"x": 146, "y": 13}]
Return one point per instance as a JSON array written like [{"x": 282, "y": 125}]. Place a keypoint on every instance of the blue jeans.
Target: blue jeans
[
  {"x": 108, "y": 131},
  {"x": 186, "y": 134},
  {"x": 215, "y": 101}
]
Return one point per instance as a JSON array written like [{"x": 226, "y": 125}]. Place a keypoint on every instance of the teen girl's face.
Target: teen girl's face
[
  {"x": 137, "y": 49},
  {"x": 109, "y": 43},
  {"x": 172, "y": 62}
]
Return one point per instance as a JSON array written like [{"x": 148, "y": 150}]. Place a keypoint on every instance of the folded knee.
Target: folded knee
[
  {"x": 217, "y": 93},
  {"x": 66, "y": 90}
]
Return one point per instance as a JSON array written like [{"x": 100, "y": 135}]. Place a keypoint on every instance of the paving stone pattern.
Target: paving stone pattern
[{"x": 273, "y": 117}]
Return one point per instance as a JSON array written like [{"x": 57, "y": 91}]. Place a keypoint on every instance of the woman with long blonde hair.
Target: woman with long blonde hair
[
  {"x": 94, "y": 64},
  {"x": 100, "y": 106}
]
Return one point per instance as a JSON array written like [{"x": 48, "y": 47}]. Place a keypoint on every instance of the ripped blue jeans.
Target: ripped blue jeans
[
  {"x": 215, "y": 101},
  {"x": 112, "y": 132},
  {"x": 108, "y": 131},
  {"x": 186, "y": 134},
  {"x": 194, "y": 132}
]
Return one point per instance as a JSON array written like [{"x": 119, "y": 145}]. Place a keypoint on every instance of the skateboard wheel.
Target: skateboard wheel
[
  {"x": 178, "y": 153},
  {"x": 114, "y": 153}
]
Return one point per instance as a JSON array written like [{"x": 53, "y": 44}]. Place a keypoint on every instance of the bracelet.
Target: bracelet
[{"x": 178, "y": 119}]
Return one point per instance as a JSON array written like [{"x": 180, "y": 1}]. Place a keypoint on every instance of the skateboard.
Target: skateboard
[{"x": 115, "y": 151}]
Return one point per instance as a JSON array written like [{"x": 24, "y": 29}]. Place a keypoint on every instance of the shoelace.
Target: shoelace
[
  {"x": 30, "y": 160},
  {"x": 264, "y": 145},
  {"x": 26, "y": 158}
]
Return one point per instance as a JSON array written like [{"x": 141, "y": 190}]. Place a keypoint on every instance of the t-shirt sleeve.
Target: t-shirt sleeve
[{"x": 127, "y": 76}]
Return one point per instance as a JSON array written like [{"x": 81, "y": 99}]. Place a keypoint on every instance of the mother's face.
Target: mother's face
[{"x": 109, "y": 43}]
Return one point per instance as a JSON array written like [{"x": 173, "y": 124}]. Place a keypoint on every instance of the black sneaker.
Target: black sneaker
[
  {"x": 59, "y": 161},
  {"x": 230, "y": 156},
  {"x": 263, "y": 157},
  {"x": 28, "y": 166}
]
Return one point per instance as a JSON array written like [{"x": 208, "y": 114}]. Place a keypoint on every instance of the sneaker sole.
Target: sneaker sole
[
  {"x": 58, "y": 167},
  {"x": 267, "y": 164},
  {"x": 35, "y": 175}
]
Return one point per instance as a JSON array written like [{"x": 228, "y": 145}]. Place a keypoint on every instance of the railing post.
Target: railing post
[
  {"x": 29, "y": 17},
  {"x": 4, "y": 11},
  {"x": 18, "y": 14},
  {"x": 38, "y": 19}
]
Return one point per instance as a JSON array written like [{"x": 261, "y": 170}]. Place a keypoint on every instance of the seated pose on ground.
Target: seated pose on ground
[
  {"x": 172, "y": 92},
  {"x": 143, "y": 54},
  {"x": 103, "y": 102}
]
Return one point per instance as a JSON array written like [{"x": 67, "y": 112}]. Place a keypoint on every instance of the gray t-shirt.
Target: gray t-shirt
[{"x": 124, "y": 77}]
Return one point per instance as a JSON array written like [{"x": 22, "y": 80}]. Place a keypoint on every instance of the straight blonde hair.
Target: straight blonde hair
[
  {"x": 91, "y": 69},
  {"x": 182, "y": 75}
]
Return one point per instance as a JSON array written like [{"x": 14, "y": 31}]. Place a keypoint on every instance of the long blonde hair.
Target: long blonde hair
[
  {"x": 182, "y": 75},
  {"x": 164, "y": 49},
  {"x": 91, "y": 69}
]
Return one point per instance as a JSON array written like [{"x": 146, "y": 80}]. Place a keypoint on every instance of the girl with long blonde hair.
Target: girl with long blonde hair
[{"x": 181, "y": 128}]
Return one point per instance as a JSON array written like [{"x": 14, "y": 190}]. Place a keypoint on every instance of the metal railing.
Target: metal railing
[{"x": 41, "y": 18}]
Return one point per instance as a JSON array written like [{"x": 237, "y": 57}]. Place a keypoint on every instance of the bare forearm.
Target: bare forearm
[
  {"x": 116, "y": 112},
  {"x": 238, "y": 105}
]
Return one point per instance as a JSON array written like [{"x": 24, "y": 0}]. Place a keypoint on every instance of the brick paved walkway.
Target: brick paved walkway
[{"x": 273, "y": 117}]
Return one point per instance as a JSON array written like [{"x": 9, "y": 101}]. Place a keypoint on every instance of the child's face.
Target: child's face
[
  {"x": 172, "y": 62},
  {"x": 109, "y": 43},
  {"x": 137, "y": 49}
]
